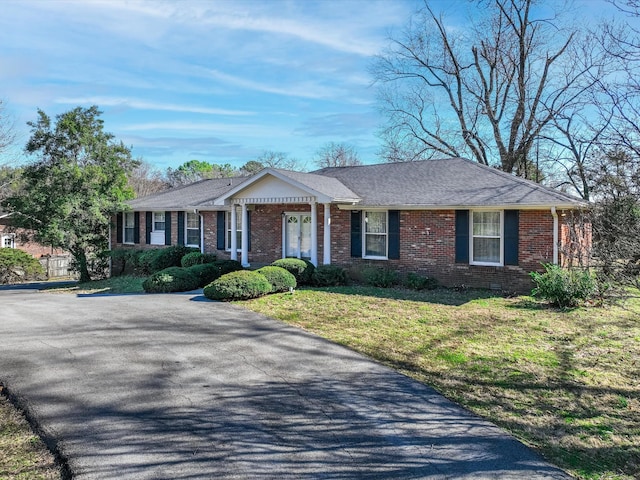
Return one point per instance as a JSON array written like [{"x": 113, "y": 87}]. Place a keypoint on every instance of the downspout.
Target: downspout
[{"x": 554, "y": 214}]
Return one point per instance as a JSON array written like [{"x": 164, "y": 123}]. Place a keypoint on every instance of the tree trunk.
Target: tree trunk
[{"x": 81, "y": 259}]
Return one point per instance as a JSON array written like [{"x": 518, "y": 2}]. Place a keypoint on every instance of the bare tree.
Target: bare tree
[
  {"x": 335, "y": 154},
  {"x": 273, "y": 159},
  {"x": 147, "y": 180},
  {"x": 7, "y": 128},
  {"x": 487, "y": 93}
]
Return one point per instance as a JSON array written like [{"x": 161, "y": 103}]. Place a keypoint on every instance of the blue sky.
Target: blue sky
[{"x": 219, "y": 81}]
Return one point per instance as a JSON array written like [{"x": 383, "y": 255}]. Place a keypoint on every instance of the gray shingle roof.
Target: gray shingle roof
[
  {"x": 198, "y": 194},
  {"x": 443, "y": 183},
  {"x": 452, "y": 182}
]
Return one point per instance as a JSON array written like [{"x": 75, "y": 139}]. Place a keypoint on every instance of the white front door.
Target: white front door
[{"x": 297, "y": 241}]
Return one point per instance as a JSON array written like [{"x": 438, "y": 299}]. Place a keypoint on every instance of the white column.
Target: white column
[
  {"x": 314, "y": 233},
  {"x": 326, "y": 260},
  {"x": 245, "y": 237},
  {"x": 234, "y": 237}
]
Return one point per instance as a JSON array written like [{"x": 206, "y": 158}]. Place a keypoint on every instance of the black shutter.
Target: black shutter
[
  {"x": 180, "y": 228},
  {"x": 167, "y": 228},
  {"x": 119, "y": 227},
  {"x": 148, "y": 221},
  {"x": 462, "y": 236},
  {"x": 511, "y": 226},
  {"x": 356, "y": 233},
  {"x": 394, "y": 234},
  {"x": 136, "y": 227},
  {"x": 249, "y": 229},
  {"x": 220, "y": 231}
]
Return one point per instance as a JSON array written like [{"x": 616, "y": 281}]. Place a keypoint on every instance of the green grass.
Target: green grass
[
  {"x": 23, "y": 456},
  {"x": 566, "y": 383},
  {"x": 115, "y": 285}
]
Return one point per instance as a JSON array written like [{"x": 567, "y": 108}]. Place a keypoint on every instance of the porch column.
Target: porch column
[
  {"x": 234, "y": 237},
  {"x": 314, "y": 233},
  {"x": 245, "y": 237},
  {"x": 326, "y": 260}
]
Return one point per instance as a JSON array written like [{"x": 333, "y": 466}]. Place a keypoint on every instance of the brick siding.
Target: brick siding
[{"x": 427, "y": 244}]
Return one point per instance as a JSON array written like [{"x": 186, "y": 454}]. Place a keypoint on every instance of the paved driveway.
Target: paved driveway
[{"x": 176, "y": 387}]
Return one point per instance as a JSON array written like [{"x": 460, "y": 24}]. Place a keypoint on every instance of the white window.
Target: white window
[
  {"x": 8, "y": 241},
  {"x": 193, "y": 229},
  {"x": 486, "y": 238},
  {"x": 238, "y": 229},
  {"x": 375, "y": 235},
  {"x": 129, "y": 227},
  {"x": 158, "y": 221}
]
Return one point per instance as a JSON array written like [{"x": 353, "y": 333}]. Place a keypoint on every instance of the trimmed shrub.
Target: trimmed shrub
[
  {"x": 18, "y": 266},
  {"x": 301, "y": 269},
  {"x": 197, "y": 258},
  {"x": 172, "y": 279},
  {"x": 280, "y": 279},
  {"x": 126, "y": 260},
  {"x": 329, "y": 276},
  {"x": 228, "y": 266},
  {"x": 205, "y": 273},
  {"x": 419, "y": 282},
  {"x": 564, "y": 287},
  {"x": 169, "y": 257},
  {"x": 380, "y": 277},
  {"x": 240, "y": 285}
]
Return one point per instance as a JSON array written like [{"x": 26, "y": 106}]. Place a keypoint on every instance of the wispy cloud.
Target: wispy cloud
[{"x": 144, "y": 105}]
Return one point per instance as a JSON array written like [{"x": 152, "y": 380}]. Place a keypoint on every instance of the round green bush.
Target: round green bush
[
  {"x": 280, "y": 279},
  {"x": 155, "y": 260},
  {"x": 240, "y": 285},
  {"x": 18, "y": 266},
  {"x": 205, "y": 273},
  {"x": 301, "y": 269},
  {"x": 329, "y": 276},
  {"x": 228, "y": 266},
  {"x": 197, "y": 258},
  {"x": 172, "y": 279}
]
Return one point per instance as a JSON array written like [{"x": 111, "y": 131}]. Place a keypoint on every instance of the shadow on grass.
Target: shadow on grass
[{"x": 444, "y": 296}]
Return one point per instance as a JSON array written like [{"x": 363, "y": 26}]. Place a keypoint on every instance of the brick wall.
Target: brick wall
[
  {"x": 23, "y": 241},
  {"x": 427, "y": 244}
]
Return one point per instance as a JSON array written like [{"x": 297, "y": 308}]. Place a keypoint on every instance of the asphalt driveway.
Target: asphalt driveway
[{"x": 177, "y": 387}]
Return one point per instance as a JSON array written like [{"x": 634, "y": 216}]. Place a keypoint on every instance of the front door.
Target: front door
[{"x": 297, "y": 235}]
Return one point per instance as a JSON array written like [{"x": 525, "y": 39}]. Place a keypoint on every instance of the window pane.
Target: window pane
[
  {"x": 486, "y": 250},
  {"x": 192, "y": 220},
  {"x": 486, "y": 223},
  {"x": 375, "y": 245},
  {"x": 375, "y": 222},
  {"x": 193, "y": 237},
  {"x": 158, "y": 221},
  {"x": 129, "y": 220},
  {"x": 128, "y": 235}
]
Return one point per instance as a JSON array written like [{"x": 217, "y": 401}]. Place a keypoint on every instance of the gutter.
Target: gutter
[{"x": 554, "y": 214}]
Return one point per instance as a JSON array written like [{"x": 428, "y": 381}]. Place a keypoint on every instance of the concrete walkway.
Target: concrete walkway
[{"x": 177, "y": 387}]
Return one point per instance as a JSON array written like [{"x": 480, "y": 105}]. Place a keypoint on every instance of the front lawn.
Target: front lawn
[
  {"x": 566, "y": 383},
  {"x": 22, "y": 453}
]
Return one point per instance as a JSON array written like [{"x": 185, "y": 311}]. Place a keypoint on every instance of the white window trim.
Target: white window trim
[
  {"x": 11, "y": 237},
  {"x": 153, "y": 222},
  {"x": 471, "y": 237},
  {"x": 124, "y": 228},
  {"x": 364, "y": 236},
  {"x": 186, "y": 229}
]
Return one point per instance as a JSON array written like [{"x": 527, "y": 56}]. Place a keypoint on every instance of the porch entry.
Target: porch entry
[{"x": 297, "y": 235}]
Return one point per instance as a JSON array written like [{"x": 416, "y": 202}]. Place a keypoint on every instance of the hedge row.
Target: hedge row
[
  {"x": 146, "y": 262},
  {"x": 181, "y": 279}
]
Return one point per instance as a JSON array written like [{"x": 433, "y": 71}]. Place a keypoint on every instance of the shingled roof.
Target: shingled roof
[
  {"x": 193, "y": 195},
  {"x": 446, "y": 183},
  {"x": 453, "y": 182}
]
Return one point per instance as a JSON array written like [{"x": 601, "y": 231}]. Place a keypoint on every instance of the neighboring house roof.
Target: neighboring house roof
[
  {"x": 444, "y": 183},
  {"x": 447, "y": 183}
]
